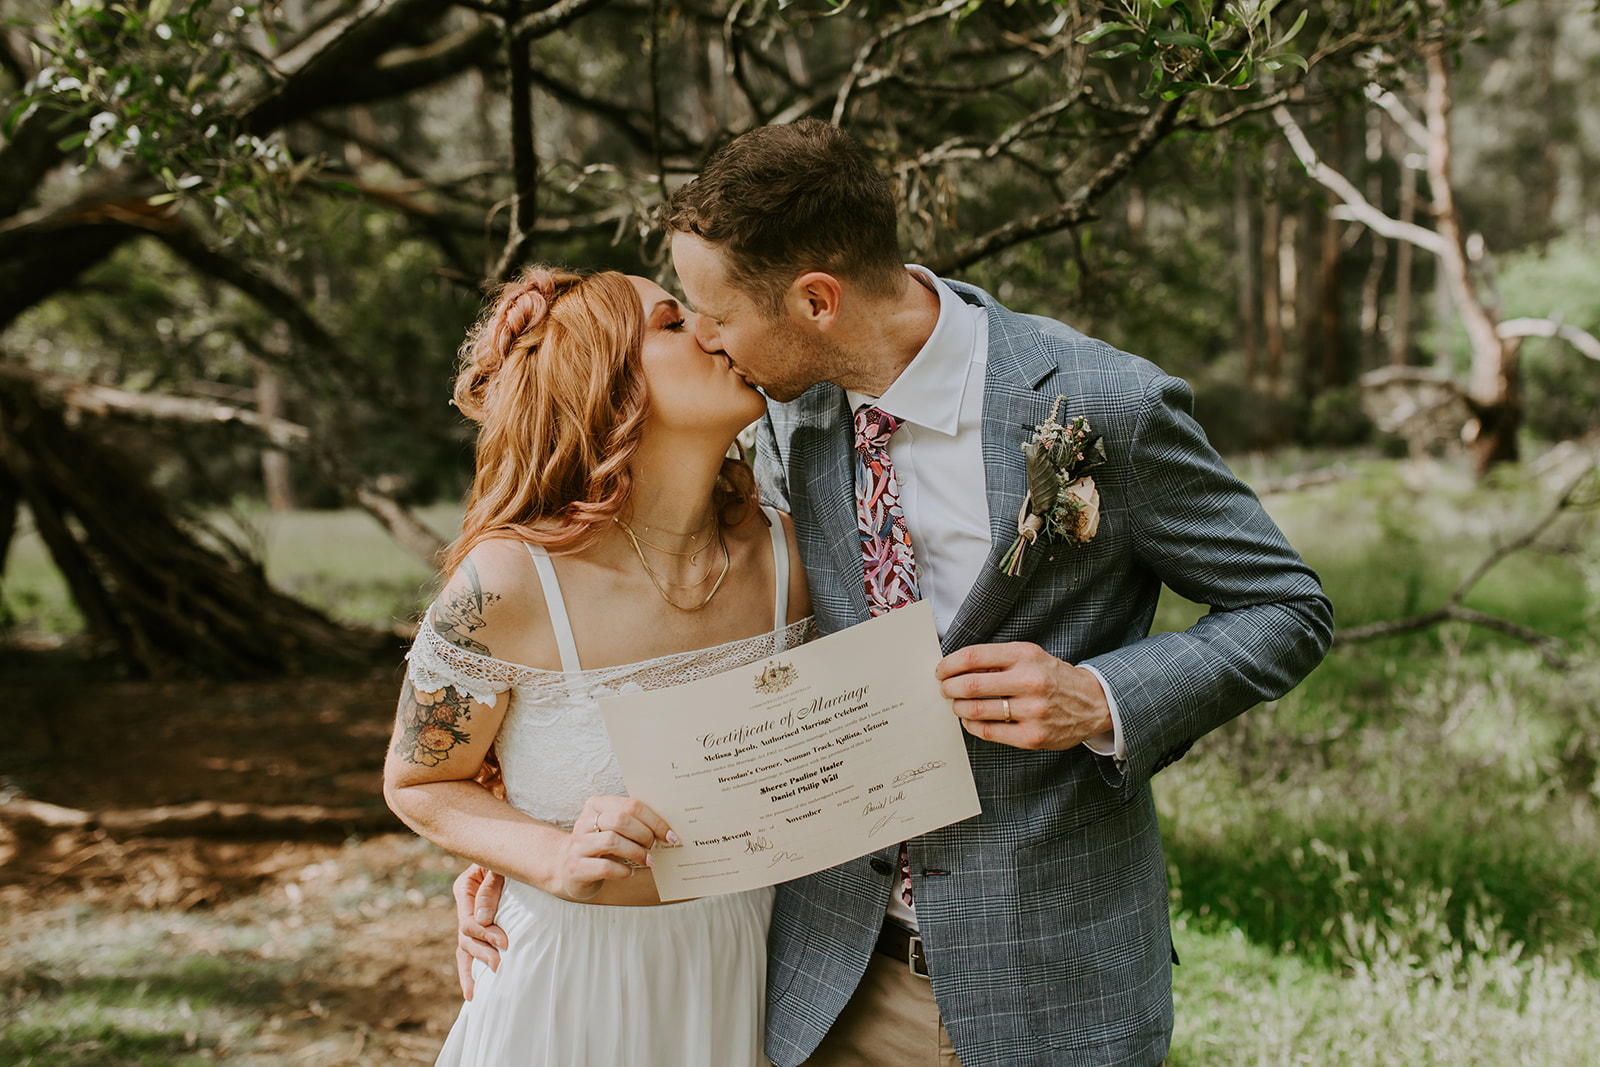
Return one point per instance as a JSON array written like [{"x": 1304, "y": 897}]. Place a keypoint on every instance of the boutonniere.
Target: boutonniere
[{"x": 1062, "y": 503}]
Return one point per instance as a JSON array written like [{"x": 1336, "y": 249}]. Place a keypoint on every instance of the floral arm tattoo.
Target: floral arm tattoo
[
  {"x": 460, "y": 612},
  {"x": 431, "y": 724}
]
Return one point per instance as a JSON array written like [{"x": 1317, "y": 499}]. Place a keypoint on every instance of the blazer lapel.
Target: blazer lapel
[
  {"x": 1012, "y": 407},
  {"x": 834, "y": 500}
]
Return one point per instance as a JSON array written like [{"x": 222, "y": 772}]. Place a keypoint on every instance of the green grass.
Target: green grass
[
  {"x": 1399, "y": 862},
  {"x": 1457, "y": 1003}
]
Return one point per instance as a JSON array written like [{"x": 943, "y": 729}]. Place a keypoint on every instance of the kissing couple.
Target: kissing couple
[{"x": 611, "y": 546}]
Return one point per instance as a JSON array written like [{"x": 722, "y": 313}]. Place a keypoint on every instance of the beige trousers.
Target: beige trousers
[{"x": 892, "y": 1020}]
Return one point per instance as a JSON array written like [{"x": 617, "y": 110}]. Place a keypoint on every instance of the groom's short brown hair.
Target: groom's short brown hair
[{"x": 782, "y": 200}]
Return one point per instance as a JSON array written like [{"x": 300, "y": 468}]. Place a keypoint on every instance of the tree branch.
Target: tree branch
[
  {"x": 321, "y": 71},
  {"x": 524, "y": 153},
  {"x": 1582, "y": 340},
  {"x": 1356, "y": 205},
  {"x": 104, "y": 400},
  {"x": 1074, "y": 210},
  {"x": 864, "y": 53},
  {"x": 1550, "y": 648},
  {"x": 275, "y": 299},
  {"x": 407, "y": 530},
  {"x": 556, "y": 17},
  {"x": 1569, "y": 496},
  {"x": 1390, "y": 103}
]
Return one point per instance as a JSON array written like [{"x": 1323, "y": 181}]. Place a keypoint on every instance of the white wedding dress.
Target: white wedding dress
[{"x": 592, "y": 985}]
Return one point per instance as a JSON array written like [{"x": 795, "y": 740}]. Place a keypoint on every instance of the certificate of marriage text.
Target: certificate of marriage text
[{"x": 785, "y": 767}]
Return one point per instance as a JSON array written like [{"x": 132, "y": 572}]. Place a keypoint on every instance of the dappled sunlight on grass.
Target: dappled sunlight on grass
[
  {"x": 1399, "y": 862},
  {"x": 1450, "y": 1003},
  {"x": 342, "y": 960}
]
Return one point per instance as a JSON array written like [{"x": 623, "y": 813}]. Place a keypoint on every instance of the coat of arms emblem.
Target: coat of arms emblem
[{"x": 775, "y": 676}]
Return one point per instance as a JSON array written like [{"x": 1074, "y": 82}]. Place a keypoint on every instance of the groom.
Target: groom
[{"x": 1038, "y": 931}]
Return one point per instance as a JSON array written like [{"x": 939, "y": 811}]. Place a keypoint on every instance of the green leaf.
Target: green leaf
[
  {"x": 1177, "y": 89},
  {"x": 1293, "y": 30},
  {"x": 1118, "y": 51},
  {"x": 1177, "y": 38},
  {"x": 161, "y": 198},
  {"x": 1157, "y": 75},
  {"x": 1042, "y": 481},
  {"x": 1294, "y": 59},
  {"x": 1101, "y": 30},
  {"x": 16, "y": 116},
  {"x": 67, "y": 144}
]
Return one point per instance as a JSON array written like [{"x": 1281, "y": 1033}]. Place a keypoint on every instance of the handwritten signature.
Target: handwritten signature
[
  {"x": 783, "y": 857},
  {"x": 888, "y": 817},
  {"x": 879, "y": 805},
  {"x": 917, "y": 772},
  {"x": 757, "y": 844}
]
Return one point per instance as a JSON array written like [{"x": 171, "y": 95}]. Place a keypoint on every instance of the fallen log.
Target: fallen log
[{"x": 27, "y": 818}]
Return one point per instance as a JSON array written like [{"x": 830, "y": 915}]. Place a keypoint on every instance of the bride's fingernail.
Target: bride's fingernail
[
  {"x": 672, "y": 838},
  {"x": 649, "y": 859}
]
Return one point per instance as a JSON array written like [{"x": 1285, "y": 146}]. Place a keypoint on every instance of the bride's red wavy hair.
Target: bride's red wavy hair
[{"x": 552, "y": 375}]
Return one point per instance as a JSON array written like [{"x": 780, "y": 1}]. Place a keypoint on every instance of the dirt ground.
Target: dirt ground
[{"x": 328, "y": 949}]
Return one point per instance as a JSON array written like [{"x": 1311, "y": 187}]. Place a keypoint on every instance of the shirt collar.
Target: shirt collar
[{"x": 929, "y": 391}]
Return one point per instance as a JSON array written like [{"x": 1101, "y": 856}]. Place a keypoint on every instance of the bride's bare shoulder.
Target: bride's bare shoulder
[{"x": 494, "y": 605}]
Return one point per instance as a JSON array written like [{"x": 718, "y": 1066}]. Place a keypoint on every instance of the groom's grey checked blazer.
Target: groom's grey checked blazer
[{"x": 1045, "y": 918}]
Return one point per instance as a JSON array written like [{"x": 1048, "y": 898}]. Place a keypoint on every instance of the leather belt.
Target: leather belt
[{"x": 896, "y": 942}]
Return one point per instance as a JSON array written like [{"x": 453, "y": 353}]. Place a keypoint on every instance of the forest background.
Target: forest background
[{"x": 240, "y": 244}]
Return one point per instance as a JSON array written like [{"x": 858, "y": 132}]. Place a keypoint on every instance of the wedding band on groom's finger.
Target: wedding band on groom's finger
[{"x": 1005, "y": 706}]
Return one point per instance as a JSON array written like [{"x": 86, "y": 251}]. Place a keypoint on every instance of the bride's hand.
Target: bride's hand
[{"x": 612, "y": 837}]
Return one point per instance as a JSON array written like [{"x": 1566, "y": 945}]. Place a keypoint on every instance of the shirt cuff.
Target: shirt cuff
[{"x": 1110, "y": 743}]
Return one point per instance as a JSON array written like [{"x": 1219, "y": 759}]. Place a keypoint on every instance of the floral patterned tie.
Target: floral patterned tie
[{"x": 885, "y": 542}]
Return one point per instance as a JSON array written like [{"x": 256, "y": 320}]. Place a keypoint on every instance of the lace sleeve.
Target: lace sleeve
[{"x": 434, "y": 663}]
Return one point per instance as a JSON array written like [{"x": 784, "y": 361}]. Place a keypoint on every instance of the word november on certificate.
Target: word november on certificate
[{"x": 788, "y": 766}]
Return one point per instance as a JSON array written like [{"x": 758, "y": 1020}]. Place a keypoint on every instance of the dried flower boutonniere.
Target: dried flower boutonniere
[{"x": 1062, "y": 502}]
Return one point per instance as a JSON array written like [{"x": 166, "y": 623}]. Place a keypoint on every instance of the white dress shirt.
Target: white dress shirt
[{"x": 937, "y": 453}]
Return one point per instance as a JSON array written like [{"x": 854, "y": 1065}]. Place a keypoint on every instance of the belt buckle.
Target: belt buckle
[{"x": 914, "y": 956}]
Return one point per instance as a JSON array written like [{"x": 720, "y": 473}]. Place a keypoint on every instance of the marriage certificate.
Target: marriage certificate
[{"x": 785, "y": 767}]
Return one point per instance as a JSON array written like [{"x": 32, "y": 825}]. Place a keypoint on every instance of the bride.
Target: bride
[{"x": 608, "y": 546}]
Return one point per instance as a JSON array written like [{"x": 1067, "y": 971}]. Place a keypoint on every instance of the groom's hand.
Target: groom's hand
[
  {"x": 477, "y": 893},
  {"x": 1051, "y": 704}
]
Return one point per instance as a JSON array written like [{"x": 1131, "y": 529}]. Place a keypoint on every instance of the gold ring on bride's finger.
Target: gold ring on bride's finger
[
  {"x": 597, "y": 823},
  {"x": 1005, "y": 706}
]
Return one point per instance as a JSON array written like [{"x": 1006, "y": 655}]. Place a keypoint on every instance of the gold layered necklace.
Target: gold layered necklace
[
  {"x": 655, "y": 580},
  {"x": 693, "y": 552}
]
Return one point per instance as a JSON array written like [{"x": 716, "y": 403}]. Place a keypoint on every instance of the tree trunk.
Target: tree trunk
[
  {"x": 149, "y": 585},
  {"x": 1330, "y": 328},
  {"x": 1329, "y": 282},
  {"x": 10, "y": 506},
  {"x": 1271, "y": 288},
  {"x": 1271, "y": 306},
  {"x": 1244, "y": 233},
  {"x": 1400, "y": 334},
  {"x": 1372, "y": 284},
  {"x": 1492, "y": 383},
  {"x": 269, "y": 405}
]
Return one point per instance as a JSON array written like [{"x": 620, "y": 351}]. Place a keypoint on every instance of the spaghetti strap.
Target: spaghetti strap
[
  {"x": 557, "y": 608},
  {"x": 780, "y": 570}
]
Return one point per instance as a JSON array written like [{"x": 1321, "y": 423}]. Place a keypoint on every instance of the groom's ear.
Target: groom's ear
[{"x": 816, "y": 298}]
